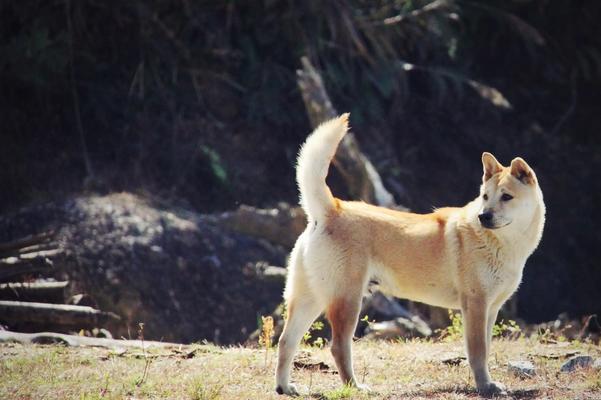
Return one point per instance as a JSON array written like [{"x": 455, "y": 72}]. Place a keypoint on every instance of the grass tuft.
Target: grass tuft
[{"x": 200, "y": 390}]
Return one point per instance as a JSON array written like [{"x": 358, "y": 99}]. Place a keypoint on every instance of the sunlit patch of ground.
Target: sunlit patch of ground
[{"x": 402, "y": 370}]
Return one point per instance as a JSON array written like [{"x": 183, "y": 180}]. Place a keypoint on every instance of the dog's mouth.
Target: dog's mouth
[
  {"x": 489, "y": 225},
  {"x": 492, "y": 225}
]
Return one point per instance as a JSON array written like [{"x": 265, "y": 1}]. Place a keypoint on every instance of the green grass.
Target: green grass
[
  {"x": 410, "y": 369},
  {"x": 343, "y": 392}
]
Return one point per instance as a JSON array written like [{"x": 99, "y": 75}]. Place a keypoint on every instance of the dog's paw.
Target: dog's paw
[
  {"x": 289, "y": 390},
  {"x": 492, "y": 389}
]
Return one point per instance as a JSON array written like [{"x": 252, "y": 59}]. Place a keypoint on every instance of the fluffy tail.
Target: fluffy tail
[{"x": 312, "y": 167}]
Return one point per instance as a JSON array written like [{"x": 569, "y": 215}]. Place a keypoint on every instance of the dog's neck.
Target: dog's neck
[{"x": 522, "y": 240}]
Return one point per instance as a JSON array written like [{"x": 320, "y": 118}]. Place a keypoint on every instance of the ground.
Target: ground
[{"x": 393, "y": 370}]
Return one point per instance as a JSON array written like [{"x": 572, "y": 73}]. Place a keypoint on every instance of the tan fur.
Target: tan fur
[{"x": 446, "y": 258}]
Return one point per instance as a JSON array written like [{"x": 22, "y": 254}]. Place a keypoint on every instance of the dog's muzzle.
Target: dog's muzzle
[{"x": 486, "y": 219}]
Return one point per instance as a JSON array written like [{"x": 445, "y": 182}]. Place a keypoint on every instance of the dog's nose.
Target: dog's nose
[{"x": 485, "y": 218}]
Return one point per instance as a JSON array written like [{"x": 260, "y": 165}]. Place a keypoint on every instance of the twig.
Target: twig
[
  {"x": 435, "y": 5},
  {"x": 147, "y": 359},
  {"x": 79, "y": 124},
  {"x": 571, "y": 108}
]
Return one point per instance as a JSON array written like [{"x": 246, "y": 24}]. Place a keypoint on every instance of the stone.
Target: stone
[
  {"x": 577, "y": 362},
  {"x": 522, "y": 369},
  {"x": 398, "y": 327}
]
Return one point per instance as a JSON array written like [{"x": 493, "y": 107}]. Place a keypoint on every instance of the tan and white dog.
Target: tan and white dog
[{"x": 468, "y": 258}]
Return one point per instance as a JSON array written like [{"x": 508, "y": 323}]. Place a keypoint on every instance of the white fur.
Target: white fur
[{"x": 312, "y": 167}]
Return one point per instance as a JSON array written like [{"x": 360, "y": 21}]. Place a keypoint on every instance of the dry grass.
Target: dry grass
[{"x": 393, "y": 371}]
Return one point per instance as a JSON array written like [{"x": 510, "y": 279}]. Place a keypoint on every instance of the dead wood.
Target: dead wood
[
  {"x": 80, "y": 341},
  {"x": 16, "y": 266},
  {"x": 361, "y": 177},
  {"x": 281, "y": 225},
  {"x": 45, "y": 292},
  {"x": 79, "y": 317},
  {"x": 13, "y": 246}
]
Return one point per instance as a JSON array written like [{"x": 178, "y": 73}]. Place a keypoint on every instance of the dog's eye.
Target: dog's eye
[
  {"x": 506, "y": 197},
  {"x": 485, "y": 196}
]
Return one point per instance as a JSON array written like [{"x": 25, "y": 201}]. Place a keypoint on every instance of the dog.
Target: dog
[{"x": 469, "y": 258}]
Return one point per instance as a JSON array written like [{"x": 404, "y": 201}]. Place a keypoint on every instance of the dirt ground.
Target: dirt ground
[{"x": 393, "y": 370}]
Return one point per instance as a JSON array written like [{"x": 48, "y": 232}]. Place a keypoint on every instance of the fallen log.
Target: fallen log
[
  {"x": 12, "y": 246},
  {"x": 15, "y": 266},
  {"x": 80, "y": 341},
  {"x": 78, "y": 317},
  {"x": 46, "y": 253},
  {"x": 44, "y": 292},
  {"x": 281, "y": 225}
]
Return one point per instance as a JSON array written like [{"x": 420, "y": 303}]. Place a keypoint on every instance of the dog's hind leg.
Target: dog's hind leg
[
  {"x": 343, "y": 314},
  {"x": 302, "y": 311}
]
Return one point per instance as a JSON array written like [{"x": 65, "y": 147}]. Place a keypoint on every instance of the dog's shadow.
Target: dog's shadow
[{"x": 520, "y": 394}]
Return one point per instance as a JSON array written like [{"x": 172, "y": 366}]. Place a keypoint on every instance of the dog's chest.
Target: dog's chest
[{"x": 501, "y": 275}]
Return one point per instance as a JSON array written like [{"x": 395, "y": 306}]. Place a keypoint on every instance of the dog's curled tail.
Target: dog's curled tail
[{"x": 312, "y": 167}]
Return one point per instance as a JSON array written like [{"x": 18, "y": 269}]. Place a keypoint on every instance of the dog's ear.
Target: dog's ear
[
  {"x": 522, "y": 171},
  {"x": 490, "y": 165}
]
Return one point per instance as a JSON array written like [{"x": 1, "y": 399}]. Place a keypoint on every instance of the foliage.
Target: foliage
[
  {"x": 266, "y": 335},
  {"x": 454, "y": 331},
  {"x": 344, "y": 392},
  {"x": 508, "y": 328},
  {"x": 308, "y": 337},
  {"x": 216, "y": 164}
]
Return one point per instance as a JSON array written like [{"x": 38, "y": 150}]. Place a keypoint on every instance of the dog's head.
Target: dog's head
[{"x": 508, "y": 195}]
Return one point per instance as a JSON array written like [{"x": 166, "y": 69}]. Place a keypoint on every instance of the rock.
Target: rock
[
  {"x": 576, "y": 363},
  {"x": 384, "y": 307},
  {"x": 398, "y": 327},
  {"x": 453, "y": 360},
  {"x": 597, "y": 364},
  {"x": 522, "y": 369},
  {"x": 268, "y": 273}
]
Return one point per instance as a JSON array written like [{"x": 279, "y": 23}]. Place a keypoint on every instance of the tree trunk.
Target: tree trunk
[{"x": 361, "y": 177}]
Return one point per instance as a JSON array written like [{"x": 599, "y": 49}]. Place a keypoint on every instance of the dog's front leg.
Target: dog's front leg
[
  {"x": 475, "y": 321},
  {"x": 493, "y": 312}
]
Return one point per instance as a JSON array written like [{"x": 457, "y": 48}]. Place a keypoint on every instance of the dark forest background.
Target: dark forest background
[{"x": 195, "y": 104}]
